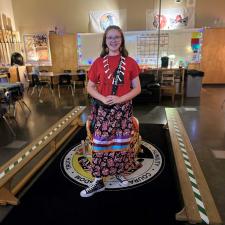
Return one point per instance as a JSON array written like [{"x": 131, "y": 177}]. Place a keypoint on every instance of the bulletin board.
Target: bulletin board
[
  {"x": 37, "y": 49},
  {"x": 181, "y": 46}
]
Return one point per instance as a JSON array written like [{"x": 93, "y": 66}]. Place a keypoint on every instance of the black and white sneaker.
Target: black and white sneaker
[
  {"x": 123, "y": 181},
  {"x": 96, "y": 186}
]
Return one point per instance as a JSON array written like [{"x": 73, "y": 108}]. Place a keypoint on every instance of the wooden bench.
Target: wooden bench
[
  {"x": 19, "y": 170},
  {"x": 199, "y": 206}
]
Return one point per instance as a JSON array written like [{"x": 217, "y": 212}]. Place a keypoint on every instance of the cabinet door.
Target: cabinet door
[{"x": 63, "y": 52}]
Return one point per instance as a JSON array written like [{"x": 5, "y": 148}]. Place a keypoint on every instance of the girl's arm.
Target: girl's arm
[
  {"x": 92, "y": 90},
  {"x": 130, "y": 95}
]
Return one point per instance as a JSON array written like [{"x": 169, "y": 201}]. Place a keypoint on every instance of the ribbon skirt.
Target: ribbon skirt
[{"x": 113, "y": 129}]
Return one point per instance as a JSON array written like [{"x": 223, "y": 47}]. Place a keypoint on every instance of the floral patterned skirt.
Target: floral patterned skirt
[{"x": 113, "y": 128}]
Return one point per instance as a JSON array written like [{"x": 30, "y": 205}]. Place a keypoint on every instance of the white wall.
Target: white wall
[
  {"x": 73, "y": 15},
  {"x": 43, "y": 15},
  {"x": 210, "y": 13}
]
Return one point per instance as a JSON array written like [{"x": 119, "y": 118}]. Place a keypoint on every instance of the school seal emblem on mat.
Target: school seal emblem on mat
[{"x": 150, "y": 162}]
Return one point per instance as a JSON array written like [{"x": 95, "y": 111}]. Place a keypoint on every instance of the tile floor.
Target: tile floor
[{"x": 203, "y": 118}]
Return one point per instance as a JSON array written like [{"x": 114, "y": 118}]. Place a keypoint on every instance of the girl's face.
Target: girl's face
[{"x": 113, "y": 41}]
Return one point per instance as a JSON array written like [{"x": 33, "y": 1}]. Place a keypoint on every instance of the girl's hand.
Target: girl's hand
[
  {"x": 105, "y": 100},
  {"x": 113, "y": 99}
]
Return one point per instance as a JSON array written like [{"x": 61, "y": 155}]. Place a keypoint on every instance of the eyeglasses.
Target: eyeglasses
[{"x": 116, "y": 38}]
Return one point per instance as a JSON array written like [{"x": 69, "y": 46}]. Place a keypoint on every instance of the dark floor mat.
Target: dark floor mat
[{"x": 53, "y": 199}]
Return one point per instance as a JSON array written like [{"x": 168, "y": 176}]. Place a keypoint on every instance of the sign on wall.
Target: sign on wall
[
  {"x": 100, "y": 20},
  {"x": 170, "y": 19},
  {"x": 37, "y": 49}
]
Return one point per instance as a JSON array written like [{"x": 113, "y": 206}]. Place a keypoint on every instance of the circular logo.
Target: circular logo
[{"x": 76, "y": 166}]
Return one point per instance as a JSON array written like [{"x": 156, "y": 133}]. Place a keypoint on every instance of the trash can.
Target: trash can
[
  {"x": 164, "y": 62},
  {"x": 194, "y": 83}
]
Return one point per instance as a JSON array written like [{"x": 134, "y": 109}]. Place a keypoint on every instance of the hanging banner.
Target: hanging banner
[
  {"x": 100, "y": 20},
  {"x": 171, "y": 19},
  {"x": 37, "y": 49}
]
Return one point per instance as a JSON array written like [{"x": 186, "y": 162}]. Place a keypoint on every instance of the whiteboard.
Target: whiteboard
[
  {"x": 143, "y": 46},
  {"x": 88, "y": 47}
]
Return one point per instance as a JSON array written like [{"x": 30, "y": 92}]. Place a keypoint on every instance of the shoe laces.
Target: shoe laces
[
  {"x": 92, "y": 186},
  {"x": 121, "y": 178}
]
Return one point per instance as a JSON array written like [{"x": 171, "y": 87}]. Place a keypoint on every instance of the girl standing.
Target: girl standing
[{"x": 113, "y": 83}]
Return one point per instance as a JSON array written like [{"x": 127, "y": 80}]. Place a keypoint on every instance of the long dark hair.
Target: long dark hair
[{"x": 123, "y": 50}]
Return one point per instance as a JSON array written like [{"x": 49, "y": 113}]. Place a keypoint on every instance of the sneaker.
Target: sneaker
[
  {"x": 96, "y": 186},
  {"x": 123, "y": 181}
]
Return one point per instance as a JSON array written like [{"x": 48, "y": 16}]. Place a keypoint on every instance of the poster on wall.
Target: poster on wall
[
  {"x": 196, "y": 45},
  {"x": 170, "y": 19},
  {"x": 37, "y": 49},
  {"x": 100, "y": 20}
]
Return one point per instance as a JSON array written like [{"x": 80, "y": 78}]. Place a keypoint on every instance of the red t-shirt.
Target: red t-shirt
[{"x": 97, "y": 75}]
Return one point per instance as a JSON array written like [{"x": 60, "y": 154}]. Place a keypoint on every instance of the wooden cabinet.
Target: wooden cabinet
[
  {"x": 213, "y": 55},
  {"x": 63, "y": 52}
]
